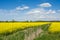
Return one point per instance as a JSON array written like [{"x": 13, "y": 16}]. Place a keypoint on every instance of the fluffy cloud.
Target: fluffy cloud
[
  {"x": 41, "y": 11},
  {"x": 16, "y": 13},
  {"x": 22, "y": 13},
  {"x": 36, "y": 11},
  {"x": 45, "y": 5},
  {"x": 22, "y": 8},
  {"x": 43, "y": 14},
  {"x": 51, "y": 11}
]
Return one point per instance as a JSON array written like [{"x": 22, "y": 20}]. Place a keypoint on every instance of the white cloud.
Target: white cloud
[
  {"x": 41, "y": 11},
  {"x": 51, "y": 12},
  {"x": 45, "y": 5},
  {"x": 15, "y": 13},
  {"x": 37, "y": 11},
  {"x": 22, "y": 8},
  {"x": 33, "y": 14},
  {"x": 43, "y": 14}
]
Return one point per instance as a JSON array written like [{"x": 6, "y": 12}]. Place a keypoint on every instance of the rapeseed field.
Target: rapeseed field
[
  {"x": 55, "y": 27},
  {"x": 12, "y": 26},
  {"x": 6, "y": 29}
]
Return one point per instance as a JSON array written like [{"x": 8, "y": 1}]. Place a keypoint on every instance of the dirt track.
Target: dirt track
[{"x": 33, "y": 35}]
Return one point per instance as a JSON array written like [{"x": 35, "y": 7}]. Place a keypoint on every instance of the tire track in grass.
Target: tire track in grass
[{"x": 32, "y": 35}]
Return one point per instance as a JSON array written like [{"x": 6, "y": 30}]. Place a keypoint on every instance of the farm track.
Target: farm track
[{"x": 33, "y": 35}]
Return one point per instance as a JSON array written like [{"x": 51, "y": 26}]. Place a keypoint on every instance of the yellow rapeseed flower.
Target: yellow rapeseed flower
[
  {"x": 55, "y": 27},
  {"x": 9, "y": 26}
]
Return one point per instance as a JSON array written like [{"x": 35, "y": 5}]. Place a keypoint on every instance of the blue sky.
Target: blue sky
[{"x": 21, "y": 10}]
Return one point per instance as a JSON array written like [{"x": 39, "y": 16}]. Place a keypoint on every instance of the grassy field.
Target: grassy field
[{"x": 30, "y": 31}]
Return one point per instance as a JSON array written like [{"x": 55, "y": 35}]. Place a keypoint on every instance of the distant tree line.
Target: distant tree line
[{"x": 31, "y": 21}]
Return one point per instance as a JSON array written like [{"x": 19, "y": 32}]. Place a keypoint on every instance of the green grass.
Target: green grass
[{"x": 48, "y": 36}]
